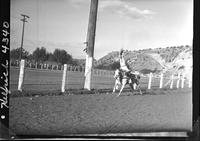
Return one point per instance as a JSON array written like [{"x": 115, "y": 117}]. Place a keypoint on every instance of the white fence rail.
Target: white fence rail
[{"x": 72, "y": 77}]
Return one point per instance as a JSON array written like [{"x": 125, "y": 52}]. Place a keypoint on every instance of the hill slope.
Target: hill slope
[{"x": 157, "y": 60}]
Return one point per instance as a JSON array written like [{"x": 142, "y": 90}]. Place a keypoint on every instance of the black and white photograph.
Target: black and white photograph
[{"x": 101, "y": 68}]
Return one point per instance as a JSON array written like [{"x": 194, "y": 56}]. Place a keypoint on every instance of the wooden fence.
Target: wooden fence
[{"x": 72, "y": 77}]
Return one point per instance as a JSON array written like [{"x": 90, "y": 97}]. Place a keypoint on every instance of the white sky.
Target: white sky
[{"x": 131, "y": 24}]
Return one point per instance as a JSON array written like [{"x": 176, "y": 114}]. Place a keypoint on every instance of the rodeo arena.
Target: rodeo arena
[
  {"x": 29, "y": 76},
  {"x": 66, "y": 100}
]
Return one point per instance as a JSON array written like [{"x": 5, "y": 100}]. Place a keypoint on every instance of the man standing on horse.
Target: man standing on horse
[
  {"x": 126, "y": 72},
  {"x": 122, "y": 62},
  {"x": 125, "y": 76}
]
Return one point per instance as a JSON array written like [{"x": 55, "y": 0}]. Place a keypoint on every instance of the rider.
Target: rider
[{"x": 122, "y": 62}]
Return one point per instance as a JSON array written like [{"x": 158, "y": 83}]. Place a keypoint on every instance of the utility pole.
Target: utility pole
[
  {"x": 23, "y": 20},
  {"x": 90, "y": 43}
]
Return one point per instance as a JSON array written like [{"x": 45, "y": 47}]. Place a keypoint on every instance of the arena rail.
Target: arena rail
[{"x": 105, "y": 77}]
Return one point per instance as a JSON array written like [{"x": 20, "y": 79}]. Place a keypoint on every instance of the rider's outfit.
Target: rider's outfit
[{"x": 123, "y": 65}]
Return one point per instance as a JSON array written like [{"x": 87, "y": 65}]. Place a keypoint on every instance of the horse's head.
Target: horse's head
[
  {"x": 138, "y": 76},
  {"x": 135, "y": 76}
]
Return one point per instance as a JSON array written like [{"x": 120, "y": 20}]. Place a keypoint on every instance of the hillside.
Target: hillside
[
  {"x": 152, "y": 60},
  {"x": 81, "y": 62},
  {"x": 182, "y": 63}
]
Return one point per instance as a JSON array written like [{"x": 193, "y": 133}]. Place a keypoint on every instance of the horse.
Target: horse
[{"x": 123, "y": 78}]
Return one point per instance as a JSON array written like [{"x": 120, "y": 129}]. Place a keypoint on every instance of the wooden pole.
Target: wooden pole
[
  {"x": 190, "y": 80},
  {"x": 23, "y": 20},
  {"x": 150, "y": 79},
  {"x": 161, "y": 80},
  {"x": 178, "y": 81},
  {"x": 172, "y": 81},
  {"x": 21, "y": 75},
  {"x": 183, "y": 79},
  {"x": 64, "y": 78},
  {"x": 90, "y": 43}
]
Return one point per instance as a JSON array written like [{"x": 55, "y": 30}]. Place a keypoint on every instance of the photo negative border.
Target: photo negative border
[{"x": 4, "y": 70}]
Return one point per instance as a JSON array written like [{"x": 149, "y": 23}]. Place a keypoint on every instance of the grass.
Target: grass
[{"x": 156, "y": 110}]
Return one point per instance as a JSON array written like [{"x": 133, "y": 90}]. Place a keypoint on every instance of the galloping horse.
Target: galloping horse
[{"x": 121, "y": 78}]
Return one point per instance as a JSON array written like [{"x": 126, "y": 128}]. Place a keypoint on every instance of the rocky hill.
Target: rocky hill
[{"x": 157, "y": 60}]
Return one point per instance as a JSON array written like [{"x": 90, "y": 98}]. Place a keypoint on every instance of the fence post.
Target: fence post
[
  {"x": 150, "y": 78},
  {"x": 182, "y": 80},
  {"x": 178, "y": 81},
  {"x": 21, "y": 75},
  {"x": 64, "y": 78},
  {"x": 190, "y": 80},
  {"x": 172, "y": 81},
  {"x": 161, "y": 80}
]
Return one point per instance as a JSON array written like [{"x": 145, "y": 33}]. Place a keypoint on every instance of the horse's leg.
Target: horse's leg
[
  {"x": 138, "y": 86},
  {"x": 123, "y": 85},
  {"x": 134, "y": 85},
  {"x": 131, "y": 85},
  {"x": 114, "y": 88}
]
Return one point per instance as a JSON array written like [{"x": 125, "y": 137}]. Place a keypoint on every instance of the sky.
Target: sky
[{"x": 127, "y": 24}]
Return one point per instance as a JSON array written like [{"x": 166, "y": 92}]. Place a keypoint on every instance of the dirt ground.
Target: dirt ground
[{"x": 156, "y": 110}]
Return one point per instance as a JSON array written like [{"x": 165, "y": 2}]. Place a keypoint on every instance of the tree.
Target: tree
[
  {"x": 30, "y": 57},
  {"x": 62, "y": 57},
  {"x": 51, "y": 57},
  {"x": 15, "y": 53},
  {"x": 40, "y": 54},
  {"x": 74, "y": 62}
]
